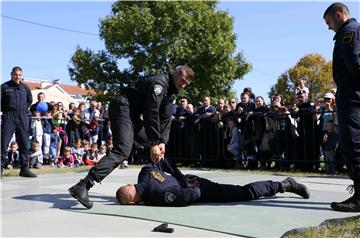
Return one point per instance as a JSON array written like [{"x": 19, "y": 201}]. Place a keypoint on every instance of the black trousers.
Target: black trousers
[
  {"x": 125, "y": 126},
  {"x": 19, "y": 123},
  {"x": 349, "y": 138},
  {"x": 215, "y": 192}
]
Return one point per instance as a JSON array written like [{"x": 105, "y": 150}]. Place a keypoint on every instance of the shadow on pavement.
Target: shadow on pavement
[{"x": 64, "y": 200}]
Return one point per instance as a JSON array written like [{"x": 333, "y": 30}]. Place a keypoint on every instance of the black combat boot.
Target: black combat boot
[
  {"x": 290, "y": 185},
  {"x": 351, "y": 204},
  {"x": 80, "y": 191},
  {"x": 25, "y": 172}
]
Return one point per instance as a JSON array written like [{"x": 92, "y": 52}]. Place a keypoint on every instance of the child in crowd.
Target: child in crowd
[
  {"x": 78, "y": 153},
  {"x": 47, "y": 125},
  {"x": 235, "y": 144},
  {"x": 37, "y": 127},
  {"x": 329, "y": 145},
  {"x": 12, "y": 160},
  {"x": 102, "y": 152},
  {"x": 36, "y": 155},
  {"x": 92, "y": 157},
  {"x": 86, "y": 155},
  {"x": 67, "y": 159},
  {"x": 58, "y": 115},
  {"x": 55, "y": 145},
  {"x": 63, "y": 138},
  {"x": 109, "y": 144},
  {"x": 106, "y": 132}
]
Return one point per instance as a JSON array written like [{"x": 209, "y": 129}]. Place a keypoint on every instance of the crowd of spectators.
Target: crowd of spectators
[
  {"x": 298, "y": 135},
  {"x": 64, "y": 136},
  {"x": 241, "y": 134}
]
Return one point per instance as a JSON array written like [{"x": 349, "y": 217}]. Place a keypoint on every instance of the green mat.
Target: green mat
[
  {"x": 270, "y": 217},
  {"x": 260, "y": 218}
]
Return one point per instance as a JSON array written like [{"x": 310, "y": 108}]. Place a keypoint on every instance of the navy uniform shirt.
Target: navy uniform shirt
[
  {"x": 164, "y": 185},
  {"x": 152, "y": 97},
  {"x": 15, "y": 97},
  {"x": 346, "y": 65}
]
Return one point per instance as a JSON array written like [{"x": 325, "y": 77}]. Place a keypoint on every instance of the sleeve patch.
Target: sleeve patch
[
  {"x": 158, "y": 89},
  {"x": 348, "y": 37},
  {"x": 169, "y": 197},
  {"x": 157, "y": 176}
]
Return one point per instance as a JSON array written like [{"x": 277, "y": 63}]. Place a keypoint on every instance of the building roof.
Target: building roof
[
  {"x": 74, "y": 89},
  {"x": 70, "y": 89}
]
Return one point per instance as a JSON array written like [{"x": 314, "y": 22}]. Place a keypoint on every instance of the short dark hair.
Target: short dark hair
[
  {"x": 247, "y": 89},
  {"x": 244, "y": 93},
  {"x": 16, "y": 68},
  {"x": 335, "y": 7},
  {"x": 13, "y": 143},
  {"x": 189, "y": 71},
  {"x": 35, "y": 142}
]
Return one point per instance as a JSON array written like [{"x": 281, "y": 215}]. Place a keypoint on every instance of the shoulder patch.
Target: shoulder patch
[
  {"x": 348, "y": 37},
  {"x": 158, "y": 89},
  {"x": 169, "y": 197}
]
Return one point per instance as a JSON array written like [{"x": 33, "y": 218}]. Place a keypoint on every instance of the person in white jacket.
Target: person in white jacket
[{"x": 37, "y": 128}]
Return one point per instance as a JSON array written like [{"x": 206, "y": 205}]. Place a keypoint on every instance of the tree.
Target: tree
[
  {"x": 312, "y": 67},
  {"x": 156, "y": 36},
  {"x": 283, "y": 87},
  {"x": 98, "y": 71}
]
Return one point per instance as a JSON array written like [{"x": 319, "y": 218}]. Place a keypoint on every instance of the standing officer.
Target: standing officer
[
  {"x": 15, "y": 100},
  {"x": 143, "y": 111},
  {"x": 346, "y": 73},
  {"x": 157, "y": 188}
]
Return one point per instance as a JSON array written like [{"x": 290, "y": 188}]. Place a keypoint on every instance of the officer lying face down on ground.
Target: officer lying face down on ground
[
  {"x": 151, "y": 98},
  {"x": 163, "y": 184}
]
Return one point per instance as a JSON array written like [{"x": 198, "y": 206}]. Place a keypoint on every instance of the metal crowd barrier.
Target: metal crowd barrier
[{"x": 287, "y": 144}]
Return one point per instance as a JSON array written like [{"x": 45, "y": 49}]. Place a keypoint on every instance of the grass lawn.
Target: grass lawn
[{"x": 349, "y": 228}]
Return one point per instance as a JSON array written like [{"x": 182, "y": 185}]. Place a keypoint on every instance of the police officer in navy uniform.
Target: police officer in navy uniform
[
  {"x": 16, "y": 98},
  {"x": 157, "y": 188},
  {"x": 142, "y": 111},
  {"x": 346, "y": 73}
]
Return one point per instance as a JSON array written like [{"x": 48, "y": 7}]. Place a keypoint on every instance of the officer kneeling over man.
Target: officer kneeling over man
[{"x": 164, "y": 185}]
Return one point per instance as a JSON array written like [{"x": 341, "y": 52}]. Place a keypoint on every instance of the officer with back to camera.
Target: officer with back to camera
[
  {"x": 144, "y": 111},
  {"x": 16, "y": 98},
  {"x": 346, "y": 73}
]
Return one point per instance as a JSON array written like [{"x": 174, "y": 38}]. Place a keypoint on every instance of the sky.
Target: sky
[{"x": 273, "y": 36}]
